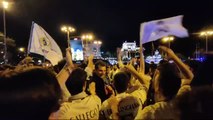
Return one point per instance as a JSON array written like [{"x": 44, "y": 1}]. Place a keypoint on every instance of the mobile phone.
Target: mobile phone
[{"x": 77, "y": 50}]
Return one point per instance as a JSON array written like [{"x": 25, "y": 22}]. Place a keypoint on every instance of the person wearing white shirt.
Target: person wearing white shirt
[{"x": 80, "y": 105}]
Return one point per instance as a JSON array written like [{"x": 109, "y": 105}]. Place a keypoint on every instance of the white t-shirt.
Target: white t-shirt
[
  {"x": 163, "y": 110},
  {"x": 160, "y": 110},
  {"x": 80, "y": 106},
  {"x": 106, "y": 111},
  {"x": 140, "y": 94}
]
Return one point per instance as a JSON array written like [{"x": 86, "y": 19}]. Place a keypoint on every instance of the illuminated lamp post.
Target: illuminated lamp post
[
  {"x": 68, "y": 30},
  {"x": 206, "y": 34}
]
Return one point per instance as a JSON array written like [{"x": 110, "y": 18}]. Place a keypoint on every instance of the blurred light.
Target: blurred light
[
  {"x": 21, "y": 49},
  {"x": 206, "y": 33},
  {"x": 87, "y": 37},
  {"x": 168, "y": 39},
  {"x": 5, "y": 4},
  {"x": 39, "y": 61},
  {"x": 97, "y": 42},
  {"x": 75, "y": 38},
  {"x": 67, "y": 29}
]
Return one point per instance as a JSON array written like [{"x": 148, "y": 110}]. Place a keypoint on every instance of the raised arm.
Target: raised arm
[
  {"x": 186, "y": 72},
  {"x": 120, "y": 63},
  {"x": 90, "y": 66},
  {"x": 142, "y": 64},
  {"x": 143, "y": 79},
  {"x": 63, "y": 75}
]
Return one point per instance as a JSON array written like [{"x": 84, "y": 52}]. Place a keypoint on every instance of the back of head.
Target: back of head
[
  {"x": 59, "y": 66},
  {"x": 30, "y": 94},
  {"x": 196, "y": 104},
  {"x": 76, "y": 81},
  {"x": 204, "y": 73},
  {"x": 121, "y": 81},
  {"x": 128, "y": 108},
  {"x": 169, "y": 79}
]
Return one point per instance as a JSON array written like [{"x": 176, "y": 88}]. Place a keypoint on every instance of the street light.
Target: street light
[
  {"x": 68, "y": 30},
  {"x": 168, "y": 39},
  {"x": 5, "y": 5},
  {"x": 87, "y": 37},
  {"x": 98, "y": 45},
  {"x": 97, "y": 42},
  {"x": 21, "y": 49},
  {"x": 206, "y": 34}
]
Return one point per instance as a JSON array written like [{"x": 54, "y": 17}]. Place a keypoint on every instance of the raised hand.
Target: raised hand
[
  {"x": 69, "y": 58},
  {"x": 92, "y": 88},
  {"x": 168, "y": 51}
]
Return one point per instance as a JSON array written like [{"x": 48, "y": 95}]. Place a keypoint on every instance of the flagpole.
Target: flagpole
[
  {"x": 30, "y": 39},
  {"x": 153, "y": 48},
  {"x": 142, "y": 64}
]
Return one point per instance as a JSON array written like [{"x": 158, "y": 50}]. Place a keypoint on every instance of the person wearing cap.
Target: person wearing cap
[
  {"x": 121, "y": 83},
  {"x": 125, "y": 109}
]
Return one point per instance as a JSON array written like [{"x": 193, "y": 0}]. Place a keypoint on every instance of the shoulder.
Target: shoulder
[
  {"x": 160, "y": 110},
  {"x": 93, "y": 99},
  {"x": 149, "y": 112},
  {"x": 183, "y": 89}
]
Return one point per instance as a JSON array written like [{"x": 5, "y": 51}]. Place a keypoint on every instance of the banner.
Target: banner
[
  {"x": 156, "y": 29},
  {"x": 42, "y": 43}
]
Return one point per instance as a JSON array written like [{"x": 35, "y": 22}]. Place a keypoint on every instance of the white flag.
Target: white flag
[
  {"x": 153, "y": 30},
  {"x": 42, "y": 43}
]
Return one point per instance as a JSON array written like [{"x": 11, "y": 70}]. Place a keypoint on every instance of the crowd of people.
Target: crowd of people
[{"x": 172, "y": 89}]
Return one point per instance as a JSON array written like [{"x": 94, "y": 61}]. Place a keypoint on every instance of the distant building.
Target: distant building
[{"x": 129, "y": 50}]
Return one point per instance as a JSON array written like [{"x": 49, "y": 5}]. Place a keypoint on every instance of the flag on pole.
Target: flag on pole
[
  {"x": 42, "y": 43},
  {"x": 153, "y": 30}
]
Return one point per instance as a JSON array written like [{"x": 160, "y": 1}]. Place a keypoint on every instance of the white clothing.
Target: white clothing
[
  {"x": 80, "y": 106},
  {"x": 140, "y": 94},
  {"x": 163, "y": 110}
]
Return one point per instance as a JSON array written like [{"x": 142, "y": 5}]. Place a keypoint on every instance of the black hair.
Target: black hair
[
  {"x": 203, "y": 75},
  {"x": 120, "y": 82},
  {"x": 169, "y": 79},
  {"x": 196, "y": 104},
  {"x": 30, "y": 94},
  {"x": 76, "y": 81},
  {"x": 99, "y": 63}
]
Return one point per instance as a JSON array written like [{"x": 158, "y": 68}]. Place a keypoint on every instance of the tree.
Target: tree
[{"x": 10, "y": 48}]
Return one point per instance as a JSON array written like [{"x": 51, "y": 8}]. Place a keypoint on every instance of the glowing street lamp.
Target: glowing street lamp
[
  {"x": 168, "y": 39},
  {"x": 206, "y": 34},
  {"x": 68, "y": 30},
  {"x": 5, "y": 5},
  {"x": 97, "y": 45},
  {"x": 21, "y": 49},
  {"x": 97, "y": 42},
  {"x": 87, "y": 37}
]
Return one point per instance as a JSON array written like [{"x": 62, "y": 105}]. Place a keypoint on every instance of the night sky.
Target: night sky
[{"x": 111, "y": 21}]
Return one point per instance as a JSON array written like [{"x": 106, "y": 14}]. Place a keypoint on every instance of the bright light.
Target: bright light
[
  {"x": 87, "y": 37},
  {"x": 206, "y": 33},
  {"x": 97, "y": 42},
  {"x": 5, "y": 4},
  {"x": 168, "y": 39},
  {"x": 21, "y": 49},
  {"x": 39, "y": 61},
  {"x": 67, "y": 29}
]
